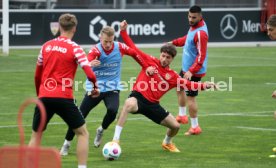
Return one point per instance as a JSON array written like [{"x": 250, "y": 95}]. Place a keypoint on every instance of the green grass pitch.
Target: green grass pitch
[{"x": 239, "y": 130}]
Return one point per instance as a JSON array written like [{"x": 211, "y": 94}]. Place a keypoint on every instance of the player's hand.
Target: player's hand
[
  {"x": 123, "y": 25},
  {"x": 95, "y": 63},
  {"x": 274, "y": 94},
  {"x": 210, "y": 85},
  {"x": 188, "y": 75},
  {"x": 95, "y": 93},
  {"x": 150, "y": 70}
]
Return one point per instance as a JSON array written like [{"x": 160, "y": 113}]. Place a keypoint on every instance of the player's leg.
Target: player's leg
[
  {"x": 182, "y": 117},
  {"x": 193, "y": 110},
  {"x": 88, "y": 103},
  {"x": 82, "y": 144},
  {"x": 130, "y": 106},
  {"x": 173, "y": 128},
  {"x": 69, "y": 112},
  {"x": 36, "y": 120},
  {"x": 161, "y": 116},
  {"x": 172, "y": 125},
  {"x": 111, "y": 101}
]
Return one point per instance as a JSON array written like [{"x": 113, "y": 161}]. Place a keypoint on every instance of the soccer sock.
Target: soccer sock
[
  {"x": 182, "y": 111},
  {"x": 118, "y": 130},
  {"x": 82, "y": 166},
  {"x": 194, "y": 122},
  {"x": 167, "y": 139},
  {"x": 100, "y": 128},
  {"x": 66, "y": 142}
]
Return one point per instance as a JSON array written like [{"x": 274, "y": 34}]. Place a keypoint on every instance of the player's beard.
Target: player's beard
[{"x": 193, "y": 23}]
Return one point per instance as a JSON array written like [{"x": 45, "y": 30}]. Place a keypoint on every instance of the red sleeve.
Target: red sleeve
[
  {"x": 90, "y": 75},
  {"x": 201, "y": 40},
  {"x": 142, "y": 58},
  {"x": 94, "y": 53},
  {"x": 125, "y": 50},
  {"x": 38, "y": 75},
  {"x": 179, "y": 41},
  {"x": 130, "y": 43}
]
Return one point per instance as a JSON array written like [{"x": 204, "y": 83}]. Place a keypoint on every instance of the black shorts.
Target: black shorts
[
  {"x": 153, "y": 111},
  {"x": 194, "y": 79},
  {"x": 65, "y": 108}
]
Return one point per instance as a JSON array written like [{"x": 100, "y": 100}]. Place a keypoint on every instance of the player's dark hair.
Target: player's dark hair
[
  {"x": 67, "y": 21},
  {"x": 272, "y": 21},
  {"x": 169, "y": 48},
  {"x": 195, "y": 9}
]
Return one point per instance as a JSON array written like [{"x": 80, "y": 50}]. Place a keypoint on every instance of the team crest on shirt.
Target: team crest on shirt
[
  {"x": 167, "y": 76},
  {"x": 54, "y": 26}
]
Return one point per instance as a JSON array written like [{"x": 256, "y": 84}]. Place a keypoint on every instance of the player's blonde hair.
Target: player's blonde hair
[
  {"x": 272, "y": 21},
  {"x": 109, "y": 31},
  {"x": 67, "y": 21}
]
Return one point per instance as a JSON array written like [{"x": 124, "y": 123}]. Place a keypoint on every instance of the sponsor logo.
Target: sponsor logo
[
  {"x": 48, "y": 48},
  {"x": 154, "y": 29},
  {"x": 229, "y": 26},
  {"x": 19, "y": 29},
  {"x": 250, "y": 27},
  {"x": 55, "y": 48},
  {"x": 93, "y": 23}
]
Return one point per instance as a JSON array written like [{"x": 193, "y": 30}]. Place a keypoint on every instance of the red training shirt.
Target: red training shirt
[
  {"x": 155, "y": 86},
  {"x": 56, "y": 68}
]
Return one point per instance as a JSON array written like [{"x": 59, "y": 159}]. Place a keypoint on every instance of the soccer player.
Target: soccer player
[
  {"x": 194, "y": 66},
  {"x": 148, "y": 89},
  {"x": 55, "y": 71},
  {"x": 271, "y": 32},
  {"x": 106, "y": 59}
]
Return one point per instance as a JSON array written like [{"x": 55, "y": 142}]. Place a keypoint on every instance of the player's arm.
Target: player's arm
[
  {"x": 179, "y": 42},
  {"x": 190, "y": 85},
  {"x": 93, "y": 56},
  {"x": 125, "y": 50},
  {"x": 38, "y": 72},
  {"x": 185, "y": 84},
  {"x": 201, "y": 40},
  {"x": 82, "y": 60},
  {"x": 128, "y": 40}
]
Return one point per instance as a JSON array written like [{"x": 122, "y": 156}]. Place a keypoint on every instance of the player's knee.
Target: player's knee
[
  {"x": 82, "y": 131},
  {"x": 112, "y": 110},
  {"x": 130, "y": 104},
  {"x": 176, "y": 126}
]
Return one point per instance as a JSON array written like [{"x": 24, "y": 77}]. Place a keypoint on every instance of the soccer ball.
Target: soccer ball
[{"x": 111, "y": 151}]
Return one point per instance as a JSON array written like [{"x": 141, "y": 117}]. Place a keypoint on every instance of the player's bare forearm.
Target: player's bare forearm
[
  {"x": 90, "y": 75},
  {"x": 188, "y": 85}
]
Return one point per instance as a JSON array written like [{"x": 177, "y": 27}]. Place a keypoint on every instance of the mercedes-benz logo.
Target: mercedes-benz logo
[{"x": 228, "y": 26}]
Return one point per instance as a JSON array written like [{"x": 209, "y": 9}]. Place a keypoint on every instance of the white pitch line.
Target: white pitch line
[
  {"x": 270, "y": 83},
  {"x": 256, "y": 128},
  {"x": 245, "y": 114},
  {"x": 62, "y": 123}
]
